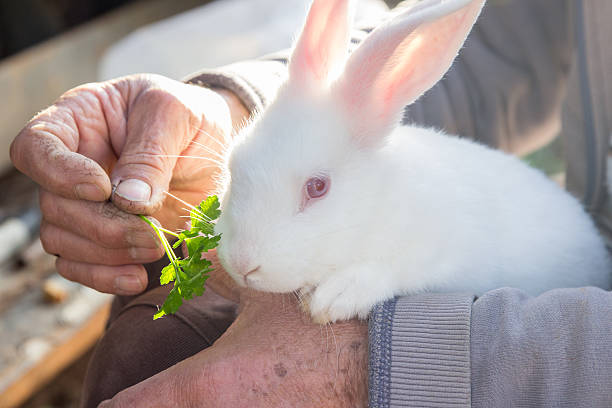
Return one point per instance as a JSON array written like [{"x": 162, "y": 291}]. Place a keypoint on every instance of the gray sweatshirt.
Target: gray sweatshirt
[{"x": 532, "y": 72}]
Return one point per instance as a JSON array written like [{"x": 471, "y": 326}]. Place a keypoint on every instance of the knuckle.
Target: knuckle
[
  {"x": 152, "y": 156},
  {"x": 95, "y": 280},
  {"x": 65, "y": 269},
  {"x": 110, "y": 211},
  {"x": 98, "y": 236},
  {"x": 79, "y": 91},
  {"x": 116, "y": 257},
  {"x": 108, "y": 235},
  {"x": 153, "y": 153},
  {"x": 17, "y": 150},
  {"x": 160, "y": 96},
  {"x": 47, "y": 238},
  {"x": 133, "y": 254},
  {"x": 14, "y": 151},
  {"x": 47, "y": 204},
  {"x": 114, "y": 236}
]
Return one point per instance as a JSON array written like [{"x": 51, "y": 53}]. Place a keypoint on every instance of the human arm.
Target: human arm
[
  {"x": 429, "y": 349},
  {"x": 271, "y": 356}
]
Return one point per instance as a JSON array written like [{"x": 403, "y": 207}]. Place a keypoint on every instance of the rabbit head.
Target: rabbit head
[{"x": 296, "y": 207}]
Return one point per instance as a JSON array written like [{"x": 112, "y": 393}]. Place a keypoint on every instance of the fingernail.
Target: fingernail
[
  {"x": 129, "y": 284},
  {"x": 134, "y": 190},
  {"x": 89, "y": 191}
]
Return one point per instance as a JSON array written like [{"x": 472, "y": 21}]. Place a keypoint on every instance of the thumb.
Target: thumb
[{"x": 158, "y": 129}]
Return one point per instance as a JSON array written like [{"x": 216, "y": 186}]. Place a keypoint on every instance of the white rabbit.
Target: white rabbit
[{"x": 329, "y": 197}]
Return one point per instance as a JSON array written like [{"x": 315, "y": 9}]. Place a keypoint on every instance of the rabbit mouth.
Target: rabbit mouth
[{"x": 248, "y": 276}]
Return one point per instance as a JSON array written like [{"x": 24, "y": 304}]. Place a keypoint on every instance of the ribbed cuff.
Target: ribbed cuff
[
  {"x": 420, "y": 351},
  {"x": 255, "y": 83},
  {"x": 381, "y": 321}
]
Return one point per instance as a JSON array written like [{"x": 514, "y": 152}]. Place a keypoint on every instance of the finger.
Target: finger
[
  {"x": 46, "y": 150},
  {"x": 72, "y": 247},
  {"x": 102, "y": 223},
  {"x": 118, "y": 280},
  {"x": 145, "y": 166}
]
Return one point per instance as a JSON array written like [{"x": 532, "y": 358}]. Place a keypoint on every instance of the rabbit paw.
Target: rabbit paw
[{"x": 344, "y": 296}]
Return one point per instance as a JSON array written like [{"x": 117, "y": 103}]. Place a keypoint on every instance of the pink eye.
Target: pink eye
[{"x": 317, "y": 187}]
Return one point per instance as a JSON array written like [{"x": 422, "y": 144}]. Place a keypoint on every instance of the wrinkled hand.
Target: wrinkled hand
[
  {"x": 126, "y": 133},
  {"x": 271, "y": 356}
]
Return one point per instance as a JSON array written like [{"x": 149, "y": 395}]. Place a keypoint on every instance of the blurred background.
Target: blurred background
[{"x": 47, "y": 324}]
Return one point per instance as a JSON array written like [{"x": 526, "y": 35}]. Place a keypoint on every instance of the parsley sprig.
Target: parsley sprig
[{"x": 188, "y": 274}]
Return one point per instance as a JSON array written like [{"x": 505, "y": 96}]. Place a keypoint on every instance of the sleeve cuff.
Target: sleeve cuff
[
  {"x": 254, "y": 82},
  {"x": 420, "y": 351}
]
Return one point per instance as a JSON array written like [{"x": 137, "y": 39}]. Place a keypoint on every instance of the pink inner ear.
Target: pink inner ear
[
  {"x": 322, "y": 43},
  {"x": 425, "y": 56},
  {"x": 396, "y": 65}
]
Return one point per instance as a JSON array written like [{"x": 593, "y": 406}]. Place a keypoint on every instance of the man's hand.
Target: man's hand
[
  {"x": 139, "y": 135},
  {"x": 271, "y": 356}
]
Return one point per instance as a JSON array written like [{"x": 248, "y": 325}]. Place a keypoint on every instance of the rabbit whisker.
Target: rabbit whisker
[
  {"x": 209, "y": 166},
  {"x": 208, "y": 150},
  {"x": 213, "y": 155},
  {"x": 211, "y": 137},
  {"x": 181, "y": 156},
  {"x": 193, "y": 208}
]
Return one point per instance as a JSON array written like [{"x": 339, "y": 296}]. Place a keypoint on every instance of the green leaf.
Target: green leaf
[
  {"x": 203, "y": 215},
  {"x": 190, "y": 274},
  {"x": 171, "y": 305},
  {"x": 210, "y": 207},
  {"x": 168, "y": 274},
  {"x": 197, "y": 283}
]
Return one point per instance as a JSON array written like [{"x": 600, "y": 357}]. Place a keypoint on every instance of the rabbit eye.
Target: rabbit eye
[{"x": 317, "y": 187}]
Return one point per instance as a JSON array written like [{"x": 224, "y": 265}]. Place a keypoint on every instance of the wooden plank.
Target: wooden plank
[
  {"x": 56, "y": 360},
  {"x": 34, "y": 78}
]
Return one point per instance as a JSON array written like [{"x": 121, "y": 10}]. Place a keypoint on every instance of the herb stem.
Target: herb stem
[
  {"x": 158, "y": 228},
  {"x": 189, "y": 273},
  {"x": 167, "y": 247},
  {"x": 174, "y": 234}
]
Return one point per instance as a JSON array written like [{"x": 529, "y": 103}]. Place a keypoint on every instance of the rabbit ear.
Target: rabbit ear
[
  {"x": 401, "y": 60},
  {"x": 322, "y": 46}
]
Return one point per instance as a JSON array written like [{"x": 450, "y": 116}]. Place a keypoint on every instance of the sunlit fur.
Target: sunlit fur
[
  {"x": 262, "y": 223},
  {"x": 417, "y": 210},
  {"x": 426, "y": 211}
]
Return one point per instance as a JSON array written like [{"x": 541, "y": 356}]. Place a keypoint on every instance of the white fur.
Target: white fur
[{"x": 408, "y": 210}]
